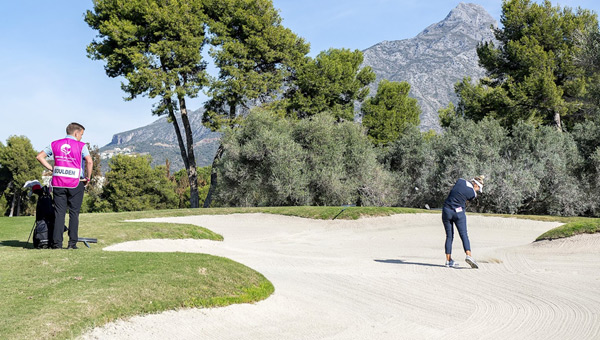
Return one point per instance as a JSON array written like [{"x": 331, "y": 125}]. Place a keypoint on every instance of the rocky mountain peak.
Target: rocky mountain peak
[
  {"x": 434, "y": 60},
  {"x": 470, "y": 19},
  {"x": 473, "y": 14}
]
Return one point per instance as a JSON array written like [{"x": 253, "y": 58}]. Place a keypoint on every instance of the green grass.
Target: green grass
[
  {"x": 589, "y": 226},
  {"x": 325, "y": 213},
  {"x": 59, "y": 294},
  {"x": 572, "y": 225}
]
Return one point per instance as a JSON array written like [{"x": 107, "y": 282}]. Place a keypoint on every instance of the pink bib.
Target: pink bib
[{"x": 67, "y": 163}]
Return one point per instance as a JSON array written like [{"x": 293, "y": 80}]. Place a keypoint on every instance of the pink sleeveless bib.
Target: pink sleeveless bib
[{"x": 67, "y": 162}]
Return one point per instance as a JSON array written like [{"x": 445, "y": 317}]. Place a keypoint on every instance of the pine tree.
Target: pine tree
[
  {"x": 389, "y": 112},
  {"x": 156, "y": 46},
  {"x": 531, "y": 73},
  {"x": 331, "y": 82}
]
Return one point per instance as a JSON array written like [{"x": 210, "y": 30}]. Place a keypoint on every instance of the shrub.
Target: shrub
[
  {"x": 274, "y": 161},
  {"x": 132, "y": 185},
  {"x": 529, "y": 169},
  {"x": 587, "y": 137},
  {"x": 262, "y": 165},
  {"x": 467, "y": 149},
  {"x": 412, "y": 162},
  {"x": 546, "y": 161}
]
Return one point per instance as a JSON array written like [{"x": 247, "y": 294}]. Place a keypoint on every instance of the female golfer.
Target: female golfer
[{"x": 454, "y": 213}]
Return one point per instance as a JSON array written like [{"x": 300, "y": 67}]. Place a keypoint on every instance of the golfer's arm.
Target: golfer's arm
[
  {"x": 41, "y": 157},
  {"x": 89, "y": 164}
]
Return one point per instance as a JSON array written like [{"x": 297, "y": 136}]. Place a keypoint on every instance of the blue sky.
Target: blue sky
[{"x": 47, "y": 81}]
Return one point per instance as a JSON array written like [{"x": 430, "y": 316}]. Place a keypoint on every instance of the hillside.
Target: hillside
[{"x": 160, "y": 141}]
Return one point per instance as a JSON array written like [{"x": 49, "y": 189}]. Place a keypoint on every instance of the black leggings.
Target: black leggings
[{"x": 450, "y": 217}]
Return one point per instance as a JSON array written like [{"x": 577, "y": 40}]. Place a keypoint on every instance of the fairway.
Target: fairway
[{"x": 383, "y": 278}]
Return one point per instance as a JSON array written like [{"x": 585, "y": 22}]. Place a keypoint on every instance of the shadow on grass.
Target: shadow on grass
[
  {"x": 413, "y": 263},
  {"x": 16, "y": 244}
]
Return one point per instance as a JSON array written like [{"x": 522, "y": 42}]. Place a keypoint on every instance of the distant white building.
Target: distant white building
[{"x": 116, "y": 151}]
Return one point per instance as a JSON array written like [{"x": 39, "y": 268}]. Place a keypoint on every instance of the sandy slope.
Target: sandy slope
[{"x": 382, "y": 278}]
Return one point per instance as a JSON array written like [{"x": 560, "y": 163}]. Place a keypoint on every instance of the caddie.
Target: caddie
[{"x": 70, "y": 175}]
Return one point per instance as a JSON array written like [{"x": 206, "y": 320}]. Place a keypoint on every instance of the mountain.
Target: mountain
[
  {"x": 434, "y": 60},
  {"x": 159, "y": 140}
]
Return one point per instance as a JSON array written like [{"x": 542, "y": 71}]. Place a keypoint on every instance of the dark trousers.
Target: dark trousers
[
  {"x": 450, "y": 217},
  {"x": 66, "y": 198}
]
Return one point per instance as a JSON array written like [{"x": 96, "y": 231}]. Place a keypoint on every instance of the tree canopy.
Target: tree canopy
[
  {"x": 532, "y": 74},
  {"x": 254, "y": 54},
  {"x": 155, "y": 45},
  {"x": 17, "y": 166},
  {"x": 132, "y": 184},
  {"x": 331, "y": 82},
  {"x": 389, "y": 112}
]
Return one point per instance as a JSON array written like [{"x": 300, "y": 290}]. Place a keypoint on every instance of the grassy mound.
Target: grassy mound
[
  {"x": 588, "y": 226},
  {"x": 60, "y": 293}
]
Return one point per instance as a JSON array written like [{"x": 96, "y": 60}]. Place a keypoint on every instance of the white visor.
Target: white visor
[{"x": 478, "y": 184}]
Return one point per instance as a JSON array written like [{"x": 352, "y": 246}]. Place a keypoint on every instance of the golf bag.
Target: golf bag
[
  {"x": 43, "y": 227},
  {"x": 44, "y": 220}
]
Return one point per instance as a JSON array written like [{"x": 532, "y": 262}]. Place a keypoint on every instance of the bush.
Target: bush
[
  {"x": 274, "y": 161},
  {"x": 262, "y": 165},
  {"x": 133, "y": 185},
  {"x": 412, "y": 162},
  {"x": 467, "y": 149},
  {"x": 587, "y": 137},
  {"x": 528, "y": 169},
  {"x": 546, "y": 162}
]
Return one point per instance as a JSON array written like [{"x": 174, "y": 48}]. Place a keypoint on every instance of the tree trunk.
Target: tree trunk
[
  {"x": 18, "y": 194},
  {"x": 213, "y": 176},
  {"x": 557, "y": 123},
  {"x": 12, "y": 205},
  {"x": 194, "y": 202},
  {"x": 191, "y": 166},
  {"x": 178, "y": 133},
  {"x": 213, "y": 170}
]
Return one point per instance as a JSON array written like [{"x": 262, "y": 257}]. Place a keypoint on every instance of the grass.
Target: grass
[
  {"x": 59, "y": 294},
  {"x": 321, "y": 212},
  {"x": 576, "y": 227},
  {"x": 572, "y": 226}
]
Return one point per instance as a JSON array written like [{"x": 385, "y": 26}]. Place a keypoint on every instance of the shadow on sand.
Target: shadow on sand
[{"x": 392, "y": 261}]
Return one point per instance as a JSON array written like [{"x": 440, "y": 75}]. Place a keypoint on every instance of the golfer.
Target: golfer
[
  {"x": 68, "y": 181},
  {"x": 453, "y": 213}
]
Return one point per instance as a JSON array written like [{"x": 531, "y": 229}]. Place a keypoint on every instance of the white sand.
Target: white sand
[{"x": 383, "y": 278}]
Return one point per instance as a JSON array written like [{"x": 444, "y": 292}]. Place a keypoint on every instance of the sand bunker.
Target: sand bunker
[{"x": 383, "y": 278}]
